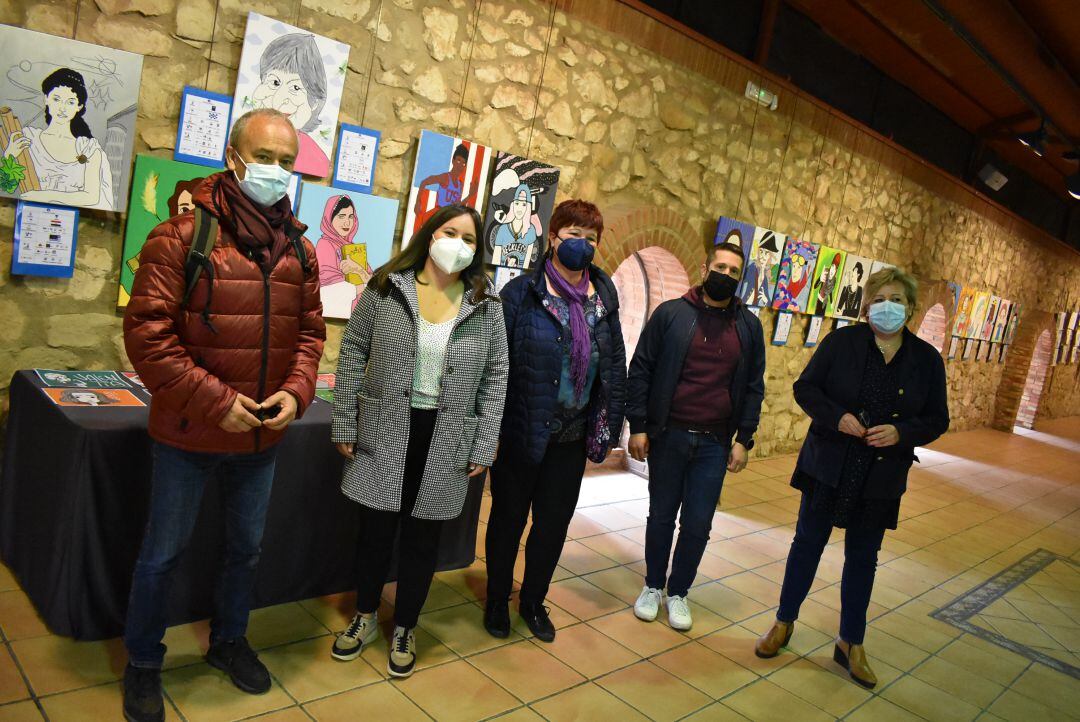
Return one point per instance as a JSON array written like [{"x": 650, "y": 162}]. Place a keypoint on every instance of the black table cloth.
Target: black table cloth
[{"x": 74, "y": 497}]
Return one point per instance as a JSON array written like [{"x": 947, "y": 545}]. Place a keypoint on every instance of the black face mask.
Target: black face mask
[{"x": 719, "y": 286}]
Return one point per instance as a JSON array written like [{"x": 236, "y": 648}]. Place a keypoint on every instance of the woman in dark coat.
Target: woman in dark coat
[
  {"x": 874, "y": 391},
  {"x": 564, "y": 404}
]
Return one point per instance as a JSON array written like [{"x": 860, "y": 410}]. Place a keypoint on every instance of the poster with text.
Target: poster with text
[
  {"x": 67, "y": 120},
  {"x": 793, "y": 281},
  {"x": 161, "y": 189},
  {"x": 299, "y": 73},
  {"x": 447, "y": 171},
  {"x": 353, "y": 234},
  {"x": 519, "y": 210}
]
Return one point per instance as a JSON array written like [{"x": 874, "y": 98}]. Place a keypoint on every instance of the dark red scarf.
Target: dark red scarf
[{"x": 259, "y": 231}]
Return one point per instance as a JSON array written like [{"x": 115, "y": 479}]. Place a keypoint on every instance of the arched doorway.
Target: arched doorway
[
  {"x": 644, "y": 280},
  {"x": 1036, "y": 380},
  {"x": 932, "y": 328}
]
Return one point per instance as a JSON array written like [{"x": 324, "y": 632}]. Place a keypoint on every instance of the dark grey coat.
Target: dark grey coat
[{"x": 374, "y": 387}]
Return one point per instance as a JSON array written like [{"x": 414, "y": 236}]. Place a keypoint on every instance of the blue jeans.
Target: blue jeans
[
  {"x": 861, "y": 546},
  {"x": 179, "y": 478},
  {"x": 685, "y": 469}
]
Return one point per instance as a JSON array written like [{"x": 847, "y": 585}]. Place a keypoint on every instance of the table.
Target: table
[{"x": 74, "y": 496}]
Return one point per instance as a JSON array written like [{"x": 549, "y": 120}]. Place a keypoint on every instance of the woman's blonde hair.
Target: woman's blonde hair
[{"x": 885, "y": 276}]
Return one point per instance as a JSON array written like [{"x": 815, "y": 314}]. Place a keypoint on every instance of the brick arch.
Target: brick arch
[
  {"x": 629, "y": 229},
  {"x": 1018, "y": 362},
  {"x": 932, "y": 294}
]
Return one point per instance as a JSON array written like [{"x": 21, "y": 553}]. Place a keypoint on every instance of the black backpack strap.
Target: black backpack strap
[
  {"x": 203, "y": 238},
  {"x": 296, "y": 238}
]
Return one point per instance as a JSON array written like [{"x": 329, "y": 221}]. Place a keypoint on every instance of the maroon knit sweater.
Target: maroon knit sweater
[{"x": 703, "y": 395}]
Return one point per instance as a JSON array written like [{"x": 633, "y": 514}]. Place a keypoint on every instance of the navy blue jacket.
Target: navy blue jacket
[
  {"x": 829, "y": 388},
  {"x": 535, "y": 340},
  {"x": 658, "y": 363}
]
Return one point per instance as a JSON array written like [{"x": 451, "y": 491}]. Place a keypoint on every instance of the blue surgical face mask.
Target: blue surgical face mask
[
  {"x": 576, "y": 253},
  {"x": 888, "y": 316},
  {"x": 264, "y": 184}
]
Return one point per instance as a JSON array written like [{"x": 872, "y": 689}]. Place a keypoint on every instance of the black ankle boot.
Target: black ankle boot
[
  {"x": 536, "y": 616},
  {"x": 497, "y": 619},
  {"x": 142, "y": 695}
]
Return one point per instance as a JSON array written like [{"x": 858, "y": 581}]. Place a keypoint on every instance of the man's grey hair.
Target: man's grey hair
[{"x": 241, "y": 125}]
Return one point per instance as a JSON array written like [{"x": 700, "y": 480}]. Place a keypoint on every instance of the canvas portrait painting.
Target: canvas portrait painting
[
  {"x": 793, "y": 282},
  {"x": 826, "y": 288},
  {"x": 977, "y": 317},
  {"x": 353, "y": 234},
  {"x": 729, "y": 230},
  {"x": 992, "y": 309},
  {"x": 521, "y": 203},
  {"x": 447, "y": 171},
  {"x": 302, "y": 75},
  {"x": 964, "y": 307},
  {"x": 849, "y": 300},
  {"x": 161, "y": 189},
  {"x": 761, "y": 268},
  {"x": 67, "y": 120},
  {"x": 1002, "y": 322}
]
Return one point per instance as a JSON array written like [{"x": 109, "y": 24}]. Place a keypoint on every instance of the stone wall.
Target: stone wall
[{"x": 629, "y": 128}]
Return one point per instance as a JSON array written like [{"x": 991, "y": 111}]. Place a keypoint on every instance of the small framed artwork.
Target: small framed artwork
[
  {"x": 954, "y": 346},
  {"x": 841, "y": 322},
  {"x": 203, "y": 130},
  {"x": 969, "y": 348},
  {"x": 813, "y": 332},
  {"x": 357, "y": 151},
  {"x": 783, "y": 328},
  {"x": 44, "y": 242}
]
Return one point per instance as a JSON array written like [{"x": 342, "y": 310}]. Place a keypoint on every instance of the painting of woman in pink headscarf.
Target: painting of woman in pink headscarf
[{"x": 343, "y": 264}]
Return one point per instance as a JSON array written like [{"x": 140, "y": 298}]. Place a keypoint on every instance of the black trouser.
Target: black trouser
[
  {"x": 418, "y": 545},
  {"x": 551, "y": 488}
]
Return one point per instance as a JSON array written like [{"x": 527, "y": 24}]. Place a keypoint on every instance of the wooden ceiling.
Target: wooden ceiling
[{"x": 1036, "y": 42}]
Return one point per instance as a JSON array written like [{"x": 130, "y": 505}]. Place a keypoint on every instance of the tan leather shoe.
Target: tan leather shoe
[
  {"x": 852, "y": 657},
  {"x": 769, "y": 644}
]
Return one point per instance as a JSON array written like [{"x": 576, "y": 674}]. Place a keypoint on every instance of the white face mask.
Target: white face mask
[
  {"x": 451, "y": 254},
  {"x": 265, "y": 184}
]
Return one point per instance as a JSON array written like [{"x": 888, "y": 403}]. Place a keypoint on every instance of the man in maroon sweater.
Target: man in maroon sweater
[{"x": 694, "y": 395}]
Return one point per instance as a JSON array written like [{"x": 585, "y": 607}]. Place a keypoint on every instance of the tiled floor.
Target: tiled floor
[{"x": 975, "y": 615}]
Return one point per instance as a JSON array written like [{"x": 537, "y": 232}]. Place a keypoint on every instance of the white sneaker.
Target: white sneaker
[
  {"x": 648, "y": 604},
  {"x": 360, "y": 632},
  {"x": 678, "y": 613},
  {"x": 402, "y": 653}
]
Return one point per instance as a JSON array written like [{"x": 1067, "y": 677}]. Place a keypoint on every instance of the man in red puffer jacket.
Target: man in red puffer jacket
[{"x": 229, "y": 369}]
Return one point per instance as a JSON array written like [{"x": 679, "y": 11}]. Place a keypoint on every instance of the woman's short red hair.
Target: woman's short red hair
[{"x": 577, "y": 212}]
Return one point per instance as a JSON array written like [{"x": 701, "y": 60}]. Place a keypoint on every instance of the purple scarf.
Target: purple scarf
[{"x": 581, "y": 346}]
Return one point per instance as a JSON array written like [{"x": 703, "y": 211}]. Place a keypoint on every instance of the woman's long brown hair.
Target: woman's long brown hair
[{"x": 414, "y": 255}]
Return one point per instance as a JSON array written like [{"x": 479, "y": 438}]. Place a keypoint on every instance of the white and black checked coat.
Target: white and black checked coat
[{"x": 373, "y": 391}]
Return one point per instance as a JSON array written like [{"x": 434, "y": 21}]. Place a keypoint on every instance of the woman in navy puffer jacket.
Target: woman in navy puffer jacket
[{"x": 564, "y": 404}]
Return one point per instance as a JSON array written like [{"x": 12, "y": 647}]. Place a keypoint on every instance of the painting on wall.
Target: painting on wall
[
  {"x": 447, "y": 171},
  {"x": 1002, "y": 321},
  {"x": 302, "y": 75},
  {"x": 67, "y": 120},
  {"x": 352, "y": 234},
  {"x": 962, "y": 317},
  {"x": 729, "y": 230},
  {"x": 1014, "y": 322},
  {"x": 759, "y": 277},
  {"x": 852, "y": 287},
  {"x": 161, "y": 189},
  {"x": 793, "y": 280},
  {"x": 826, "y": 285},
  {"x": 990, "y": 321},
  {"x": 979, "y": 308},
  {"x": 522, "y": 201}
]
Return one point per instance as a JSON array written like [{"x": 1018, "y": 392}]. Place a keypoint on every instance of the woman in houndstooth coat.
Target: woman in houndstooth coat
[{"x": 418, "y": 403}]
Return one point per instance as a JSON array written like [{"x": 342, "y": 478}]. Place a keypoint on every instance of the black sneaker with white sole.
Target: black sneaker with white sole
[
  {"x": 402, "y": 653},
  {"x": 362, "y": 631}
]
